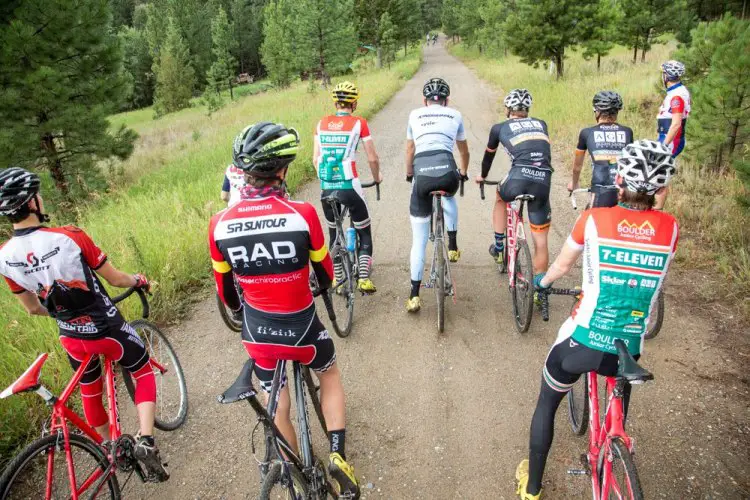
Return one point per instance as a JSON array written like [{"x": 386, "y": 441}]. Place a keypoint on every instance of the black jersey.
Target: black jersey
[
  {"x": 605, "y": 143},
  {"x": 524, "y": 139}
]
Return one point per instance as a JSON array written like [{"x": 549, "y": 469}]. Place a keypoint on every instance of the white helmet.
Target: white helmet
[
  {"x": 645, "y": 166},
  {"x": 673, "y": 69},
  {"x": 518, "y": 100}
]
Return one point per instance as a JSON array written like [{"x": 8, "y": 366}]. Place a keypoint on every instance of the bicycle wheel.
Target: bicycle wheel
[
  {"x": 522, "y": 293},
  {"x": 342, "y": 296},
  {"x": 440, "y": 285},
  {"x": 314, "y": 391},
  {"x": 656, "y": 320},
  {"x": 624, "y": 482},
  {"x": 171, "y": 390},
  {"x": 227, "y": 315},
  {"x": 26, "y": 475},
  {"x": 578, "y": 406},
  {"x": 276, "y": 487}
]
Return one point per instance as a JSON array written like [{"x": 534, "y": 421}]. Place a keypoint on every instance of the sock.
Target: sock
[
  {"x": 452, "y": 244},
  {"x": 415, "y": 285},
  {"x": 338, "y": 442},
  {"x": 149, "y": 440},
  {"x": 537, "y": 462},
  {"x": 499, "y": 242}
]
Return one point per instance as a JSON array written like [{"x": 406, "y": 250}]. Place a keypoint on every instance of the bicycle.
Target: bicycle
[
  {"x": 656, "y": 320},
  {"x": 31, "y": 474},
  {"x": 344, "y": 291},
  {"x": 517, "y": 260},
  {"x": 232, "y": 319},
  {"x": 610, "y": 447},
  {"x": 301, "y": 475}
]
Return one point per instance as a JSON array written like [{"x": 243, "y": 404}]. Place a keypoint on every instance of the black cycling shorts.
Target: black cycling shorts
[
  {"x": 533, "y": 181},
  {"x": 270, "y": 337},
  {"x": 433, "y": 171},
  {"x": 354, "y": 200},
  {"x": 604, "y": 196}
]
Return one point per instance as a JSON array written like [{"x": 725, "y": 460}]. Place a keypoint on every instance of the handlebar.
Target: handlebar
[
  {"x": 141, "y": 294},
  {"x": 489, "y": 183},
  {"x": 544, "y": 294},
  {"x": 377, "y": 188},
  {"x": 574, "y": 192},
  {"x": 461, "y": 189}
]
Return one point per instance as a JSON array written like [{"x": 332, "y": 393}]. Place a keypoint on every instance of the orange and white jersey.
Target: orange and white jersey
[{"x": 337, "y": 137}]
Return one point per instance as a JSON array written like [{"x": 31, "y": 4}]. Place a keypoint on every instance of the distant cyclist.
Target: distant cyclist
[
  {"x": 234, "y": 181},
  {"x": 604, "y": 142},
  {"x": 269, "y": 244},
  {"x": 334, "y": 155},
  {"x": 54, "y": 271},
  {"x": 627, "y": 250},
  {"x": 526, "y": 142},
  {"x": 432, "y": 132}
]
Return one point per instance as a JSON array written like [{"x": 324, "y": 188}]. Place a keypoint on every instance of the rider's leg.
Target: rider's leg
[
  {"x": 92, "y": 385},
  {"x": 338, "y": 266},
  {"x": 541, "y": 251},
  {"x": 542, "y": 434},
  {"x": 420, "y": 230},
  {"x": 540, "y": 217},
  {"x": 333, "y": 404},
  {"x": 361, "y": 220},
  {"x": 283, "y": 419},
  {"x": 450, "y": 212}
]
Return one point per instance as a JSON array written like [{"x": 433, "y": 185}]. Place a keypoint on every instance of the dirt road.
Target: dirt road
[{"x": 447, "y": 416}]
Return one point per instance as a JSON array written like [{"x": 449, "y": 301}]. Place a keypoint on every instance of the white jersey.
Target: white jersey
[
  {"x": 234, "y": 181},
  {"x": 435, "y": 128}
]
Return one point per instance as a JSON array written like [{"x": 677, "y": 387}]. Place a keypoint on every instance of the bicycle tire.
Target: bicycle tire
[
  {"x": 176, "y": 417},
  {"x": 11, "y": 474},
  {"x": 654, "y": 328},
  {"x": 440, "y": 254},
  {"x": 344, "y": 295},
  {"x": 299, "y": 485},
  {"x": 578, "y": 406},
  {"x": 523, "y": 289},
  {"x": 226, "y": 316},
  {"x": 621, "y": 452},
  {"x": 313, "y": 391}
]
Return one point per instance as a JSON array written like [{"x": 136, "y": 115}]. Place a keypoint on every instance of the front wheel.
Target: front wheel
[
  {"x": 277, "y": 484},
  {"x": 171, "y": 390},
  {"x": 522, "y": 292},
  {"x": 655, "y": 320},
  {"x": 342, "y": 295},
  {"x": 623, "y": 481},
  {"x": 44, "y": 462}
]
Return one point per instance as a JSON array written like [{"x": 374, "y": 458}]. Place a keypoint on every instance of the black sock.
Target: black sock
[
  {"x": 452, "y": 244},
  {"x": 149, "y": 440},
  {"x": 537, "y": 461},
  {"x": 338, "y": 442},
  {"x": 415, "y": 285},
  {"x": 499, "y": 242}
]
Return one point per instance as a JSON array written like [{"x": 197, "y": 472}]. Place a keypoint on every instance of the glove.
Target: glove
[
  {"x": 538, "y": 282},
  {"x": 142, "y": 282},
  {"x": 464, "y": 177},
  {"x": 409, "y": 178}
]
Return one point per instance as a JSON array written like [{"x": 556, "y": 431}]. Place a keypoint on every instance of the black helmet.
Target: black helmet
[
  {"x": 607, "y": 101},
  {"x": 436, "y": 89},
  {"x": 17, "y": 188},
  {"x": 265, "y": 148}
]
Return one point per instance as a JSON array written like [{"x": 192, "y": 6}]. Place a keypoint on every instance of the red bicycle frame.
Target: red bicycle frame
[{"x": 514, "y": 231}]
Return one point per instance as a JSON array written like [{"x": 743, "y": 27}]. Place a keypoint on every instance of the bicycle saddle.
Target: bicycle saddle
[
  {"x": 441, "y": 193},
  {"x": 333, "y": 196},
  {"x": 628, "y": 368},
  {"x": 525, "y": 197},
  {"x": 242, "y": 388}
]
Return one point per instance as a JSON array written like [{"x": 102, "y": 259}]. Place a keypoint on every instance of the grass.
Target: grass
[
  {"x": 156, "y": 222},
  {"x": 715, "y": 230}
]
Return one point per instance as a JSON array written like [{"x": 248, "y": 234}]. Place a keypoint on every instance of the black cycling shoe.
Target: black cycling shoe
[{"x": 148, "y": 454}]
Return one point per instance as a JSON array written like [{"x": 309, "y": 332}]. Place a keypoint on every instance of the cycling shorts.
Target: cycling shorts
[
  {"x": 354, "y": 200},
  {"x": 568, "y": 359},
  {"x": 533, "y": 181},
  {"x": 433, "y": 171},
  {"x": 270, "y": 337},
  {"x": 604, "y": 196}
]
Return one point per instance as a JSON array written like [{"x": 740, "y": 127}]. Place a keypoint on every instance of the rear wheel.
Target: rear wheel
[
  {"x": 342, "y": 295},
  {"x": 171, "y": 390},
  {"x": 522, "y": 293},
  {"x": 277, "y": 485},
  {"x": 578, "y": 406},
  {"x": 26, "y": 475},
  {"x": 655, "y": 320},
  {"x": 624, "y": 481}
]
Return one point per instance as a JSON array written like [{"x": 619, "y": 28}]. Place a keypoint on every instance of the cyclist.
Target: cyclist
[
  {"x": 431, "y": 133},
  {"x": 604, "y": 142},
  {"x": 234, "y": 181},
  {"x": 268, "y": 243},
  {"x": 336, "y": 139},
  {"x": 628, "y": 249},
  {"x": 53, "y": 272},
  {"x": 526, "y": 142},
  {"x": 673, "y": 113}
]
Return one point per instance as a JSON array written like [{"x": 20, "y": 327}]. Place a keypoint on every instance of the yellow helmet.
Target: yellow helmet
[{"x": 345, "y": 92}]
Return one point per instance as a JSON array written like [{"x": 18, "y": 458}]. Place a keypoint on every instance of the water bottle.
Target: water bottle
[{"x": 351, "y": 239}]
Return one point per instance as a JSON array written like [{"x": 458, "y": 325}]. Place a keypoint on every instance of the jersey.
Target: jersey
[
  {"x": 677, "y": 100},
  {"x": 337, "y": 137},
  {"x": 268, "y": 243},
  {"x": 57, "y": 264},
  {"x": 234, "y": 181},
  {"x": 526, "y": 142},
  {"x": 435, "y": 128},
  {"x": 604, "y": 142},
  {"x": 626, "y": 254}
]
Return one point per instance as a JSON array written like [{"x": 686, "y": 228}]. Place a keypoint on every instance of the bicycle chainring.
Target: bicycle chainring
[{"x": 123, "y": 451}]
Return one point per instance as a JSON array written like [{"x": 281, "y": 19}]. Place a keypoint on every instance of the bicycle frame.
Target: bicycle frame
[
  {"x": 514, "y": 232},
  {"x": 437, "y": 236}
]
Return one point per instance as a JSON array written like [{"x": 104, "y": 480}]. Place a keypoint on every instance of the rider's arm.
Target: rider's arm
[
  {"x": 115, "y": 277},
  {"x": 372, "y": 154},
  {"x": 410, "y": 148},
  {"x": 493, "y": 142},
  {"x": 320, "y": 259},
  {"x": 677, "y": 106},
  {"x": 577, "y": 167},
  {"x": 463, "y": 150},
  {"x": 222, "y": 272},
  {"x": 31, "y": 303},
  {"x": 225, "y": 188},
  {"x": 97, "y": 260},
  {"x": 569, "y": 254}
]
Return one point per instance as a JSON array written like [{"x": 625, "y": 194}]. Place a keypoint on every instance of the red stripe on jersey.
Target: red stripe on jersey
[{"x": 92, "y": 254}]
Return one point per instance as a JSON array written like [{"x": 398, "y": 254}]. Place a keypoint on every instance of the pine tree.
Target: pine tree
[
  {"x": 61, "y": 74},
  {"x": 222, "y": 71},
  {"x": 540, "y": 30},
  {"x": 387, "y": 39},
  {"x": 645, "y": 20},
  {"x": 493, "y": 15},
  {"x": 405, "y": 17},
  {"x": 602, "y": 33},
  {"x": 278, "y": 50},
  {"x": 247, "y": 23},
  {"x": 137, "y": 61},
  {"x": 175, "y": 77}
]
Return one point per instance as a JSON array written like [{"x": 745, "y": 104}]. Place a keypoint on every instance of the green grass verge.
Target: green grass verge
[{"x": 158, "y": 223}]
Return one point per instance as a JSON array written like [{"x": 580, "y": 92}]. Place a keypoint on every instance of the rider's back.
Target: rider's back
[
  {"x": 526, "y": 141},
  {"x": 435, "y": 128}
]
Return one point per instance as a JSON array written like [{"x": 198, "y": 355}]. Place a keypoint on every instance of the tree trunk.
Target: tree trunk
[
  {"x": 643, "y": 55},
  {"x": 598, "y": 62},
  {"x": 635, "y": 51},
  {"x": 559, "y": 61},
  {"x": 231, "y": 90},
  {"x": 406, "y": 44},
  {"x": 379, "y": 59},
  {"x": 55, "y": 166},
  {"x": 733, "y": 138}
]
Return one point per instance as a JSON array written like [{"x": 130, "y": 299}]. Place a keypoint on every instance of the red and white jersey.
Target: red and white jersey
[
  {"x": 268, "y": 243},
  {"x": 677, "y": 100},
  {"x": 337, "y": 137},
  {"x": 234, "y": 181}
]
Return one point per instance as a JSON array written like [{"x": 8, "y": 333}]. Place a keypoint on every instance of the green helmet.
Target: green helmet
[{"x": 264, "y": 148}]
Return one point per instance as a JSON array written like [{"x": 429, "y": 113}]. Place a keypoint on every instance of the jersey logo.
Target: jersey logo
[
  {"x": 336, "y": 125},
  {"x": 255, "y": 225},
  {"x": 279, "y": 251},
  {"x": 32, "y": 260},
  {"x": 627, "y": 229}
]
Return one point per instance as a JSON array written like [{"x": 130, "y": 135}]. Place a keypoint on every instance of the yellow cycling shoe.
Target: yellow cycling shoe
[
  {"x": 414, "y": 304},
  {"x": 343, "y": 474},
  {"x": 365, "y": 285},
  {"x": 522, "y": 476},
  {"x": 454, "y": 255}
]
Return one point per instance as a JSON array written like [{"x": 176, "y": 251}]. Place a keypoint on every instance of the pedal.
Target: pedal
[
  {"x": 585, "y": 469},
  {"x": 578, "y": 472}
]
